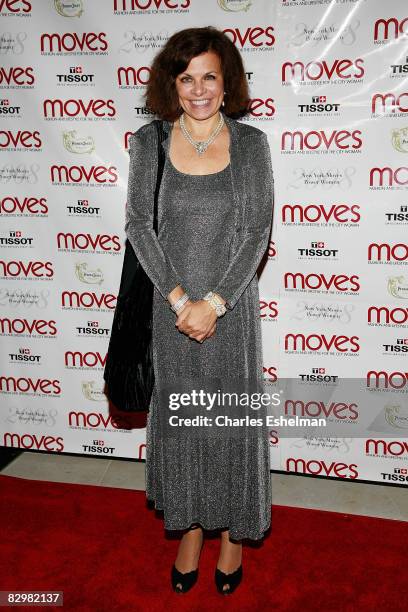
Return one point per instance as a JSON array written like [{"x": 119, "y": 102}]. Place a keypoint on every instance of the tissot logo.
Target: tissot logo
[
  {"x": 60, "y": 109},
  {"x": 25, "y": 355},
  {"x": 338, "y": 283},
  {"x": 26, "y": 269},
  {"x": 92, "y": 420},
  {"x": 318, "y": 249},
  {"x": 149, "y": 5},
  {"x": 83, "y": 208},
  {"x": 389, "y": 103},
  {"x": 16, "y": 76},
  {"x": 399, "y": 70},
  {"x": 395, "y": 217},
  {"x": 98, "y": 448},
  {"x": 22, "y": 327},
  {"x": 390, "y": 29},
  {"x": 393, "y": 448},
  {"x": 143, "y": 111},
  {"x": 33, "y": 441},
  {"x": 21, "y": 140},
  {"x": 336, "y": 140},
  {"x": 88, "y": 300},
  {"x": 318, "y": 375},
  {"x": 322, "y": 343},
  {"x": 23, "y": 205},
  {"x": 73, "y": 42},
  {"x": 319, "y": 105},
  {"x": 380, "y": 379},
  {"x": 88, "y": 242},
  {"x": 400, "y": 345},
  {"x": 386, "y": 315},
  {"x": 30, "y": 386},
  {"x": 388, "y": 177},
  {"x": 338, "y": 70},
  {"x": 75, "y": 76},
  {"x": 132, "y": 76},
  {"x": 399, "y": 475},
  {"x": 76, "y": 359},
  {"x": 78, "y": 174},
  {"x": 315, "y": 213},
  {"x": 15, "y": 7},
  {"x": 252, "y": 37},
  {"x": 92, "y": 329},
  {"x": 322, "y": 467},
  {"x": 16, "y": 238},
  {"x": 386, "y": 252},
  {"x": 8, "y": 109}
]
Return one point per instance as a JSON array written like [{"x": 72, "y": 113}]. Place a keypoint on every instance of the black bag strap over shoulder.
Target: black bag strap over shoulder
[{"x": 161, "y": 134}]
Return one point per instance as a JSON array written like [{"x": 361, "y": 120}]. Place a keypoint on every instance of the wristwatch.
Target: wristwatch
[{"x": 215, "y": 302}]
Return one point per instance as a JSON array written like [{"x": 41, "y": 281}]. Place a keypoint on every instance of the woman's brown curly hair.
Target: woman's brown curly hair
[{"x": 161, "y": 95}]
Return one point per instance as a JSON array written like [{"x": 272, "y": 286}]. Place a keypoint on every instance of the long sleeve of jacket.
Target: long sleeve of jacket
[
  {"x": 254, "y": 234},
  {"x": 139, "y": 212}
]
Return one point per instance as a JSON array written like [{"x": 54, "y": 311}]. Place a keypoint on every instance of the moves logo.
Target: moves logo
[
  {"x": 339, "y": 283},
  {"x": 339, "y": 71},
  {"x": 321, "y": 343},
  {"x": 336, "y": 141},
  {"x": 389, "y": 103},
  {"x": 33, "y": 441},
  {"x": 30, "y": 386},
  {"x": 386, "y": 29},
  {"x": 252, "y": 37},
  {"x": 16, "y": 76},
  {"x": 87, "y": 242},
  {"x": 322, "y": 468},
  {"x": 386, "y": 448},
  {"x": 62, "y": 109},
  {"x": 100, "y": 175},
  {"x": 72, "y": 42},
  {"x": 15, "y": 7}
]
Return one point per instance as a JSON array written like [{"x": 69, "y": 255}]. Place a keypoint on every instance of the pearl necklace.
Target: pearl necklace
[{"x": 201, "y": 145}]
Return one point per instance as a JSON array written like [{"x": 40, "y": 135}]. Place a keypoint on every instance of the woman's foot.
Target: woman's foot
[
  {"x": 189, "y": 550},
  {"x": 230, "y": 558}
]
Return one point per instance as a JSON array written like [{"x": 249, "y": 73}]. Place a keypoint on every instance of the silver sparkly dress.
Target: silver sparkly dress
[{"x": 219, "y": 483}]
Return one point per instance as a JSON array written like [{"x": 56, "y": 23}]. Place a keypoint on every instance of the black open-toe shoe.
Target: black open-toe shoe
[
  {"x": 231, "y": 580},
  {"x": 186, "y": 580}
]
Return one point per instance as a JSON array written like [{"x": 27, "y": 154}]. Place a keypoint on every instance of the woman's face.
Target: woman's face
[{"x": 201, "y": 86}]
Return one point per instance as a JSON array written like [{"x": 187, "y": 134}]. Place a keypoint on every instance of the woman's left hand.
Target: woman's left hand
[{"x": 197, "y": 320}]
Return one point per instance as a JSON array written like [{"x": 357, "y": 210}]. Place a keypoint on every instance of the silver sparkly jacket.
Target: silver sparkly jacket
[{"x": 252, "y": 179}]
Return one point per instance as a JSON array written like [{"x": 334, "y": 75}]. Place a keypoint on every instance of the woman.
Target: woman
[{"x": 215, "y": 212}]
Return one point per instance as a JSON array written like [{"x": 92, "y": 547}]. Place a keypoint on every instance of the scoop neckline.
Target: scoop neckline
[{"x": 194, "y": 175}]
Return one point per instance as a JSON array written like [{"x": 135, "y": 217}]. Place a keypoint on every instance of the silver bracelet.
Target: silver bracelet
[
  {"x": 180, "y": 302},
  {"x": 215, "y": 302}
]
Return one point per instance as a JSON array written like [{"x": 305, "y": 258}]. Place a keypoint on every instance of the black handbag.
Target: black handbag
[{"x": 128, "y": 371}]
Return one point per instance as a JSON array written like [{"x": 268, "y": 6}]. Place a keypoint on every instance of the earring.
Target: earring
[{"x": 223, "y": 102}]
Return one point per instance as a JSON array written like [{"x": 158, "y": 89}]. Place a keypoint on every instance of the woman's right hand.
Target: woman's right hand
[{"x": 203, "y": 336}]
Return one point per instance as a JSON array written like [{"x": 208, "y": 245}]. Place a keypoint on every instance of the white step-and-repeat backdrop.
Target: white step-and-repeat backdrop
[{"x": 328, "y": 85}]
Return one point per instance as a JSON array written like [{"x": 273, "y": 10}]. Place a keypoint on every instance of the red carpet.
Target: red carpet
[{"x": 107, "y": 551}]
